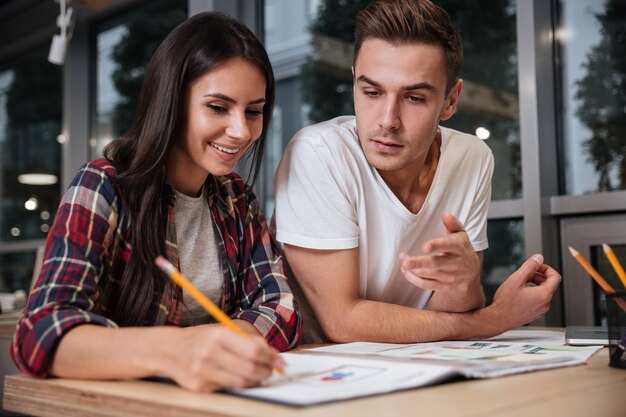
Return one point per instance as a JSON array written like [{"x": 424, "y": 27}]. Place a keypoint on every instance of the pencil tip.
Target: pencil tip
[
  {"x": 605, "y": 247},
  {"x": 573, "y": 251}
]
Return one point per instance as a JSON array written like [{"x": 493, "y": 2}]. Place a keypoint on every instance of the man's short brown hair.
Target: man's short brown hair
[{"x": 411, "y": 21}]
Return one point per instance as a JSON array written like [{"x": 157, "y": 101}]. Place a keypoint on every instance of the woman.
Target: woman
[{"x": 100, "y": 304}]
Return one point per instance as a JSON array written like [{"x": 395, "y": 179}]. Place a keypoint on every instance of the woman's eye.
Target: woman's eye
[
  {"x": 254, "y": 113},
  {"x": 216, "y": 108}
]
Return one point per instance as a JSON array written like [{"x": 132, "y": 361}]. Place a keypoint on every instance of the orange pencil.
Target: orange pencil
[
  {"x": 596, "y": 276},
  {"x": 207, "y": 304},
  {"x": 615, "y": 263}
]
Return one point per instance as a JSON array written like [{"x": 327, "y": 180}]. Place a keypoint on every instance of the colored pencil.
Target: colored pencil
[
  {"x": 596, "y": 276},
  {"x": 615, "y": 263},
  {"x": 207, "y": 304}
]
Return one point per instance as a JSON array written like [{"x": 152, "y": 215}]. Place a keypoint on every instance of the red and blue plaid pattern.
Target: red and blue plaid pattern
[{"x": 75, "y": 286}]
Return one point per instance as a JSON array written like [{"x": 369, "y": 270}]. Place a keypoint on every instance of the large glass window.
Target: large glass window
[
  {"x": 504, "y": 255},
  {"x": 489, "y": 106},
  {"x": 489, "y": 103},
  {"x": 30, "y": 122},
  {"x": 124, "y": 47},
  {"x": 312, "y": 58},
  {"x": 592, "y": 38}
]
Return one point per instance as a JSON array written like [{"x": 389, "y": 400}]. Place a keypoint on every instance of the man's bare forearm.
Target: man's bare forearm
[
  {"x": 458, "y": 301},
  {"x": 381, "y": 322}
]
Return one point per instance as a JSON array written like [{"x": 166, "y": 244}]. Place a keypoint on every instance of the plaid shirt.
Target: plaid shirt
[{"x": 73, "y": 287}]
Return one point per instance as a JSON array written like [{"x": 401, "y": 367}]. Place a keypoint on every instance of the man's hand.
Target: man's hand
[
  {"x": 452, "y": 263},
  {"x": 526, "y": 294}
]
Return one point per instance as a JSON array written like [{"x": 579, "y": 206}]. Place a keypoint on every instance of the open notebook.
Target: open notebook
[{"x": 351, "y": 370}]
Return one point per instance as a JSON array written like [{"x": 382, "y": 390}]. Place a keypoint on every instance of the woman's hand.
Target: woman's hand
[
  {"x": 199, "y": 358},
  {"x": 206, "y": 358}
]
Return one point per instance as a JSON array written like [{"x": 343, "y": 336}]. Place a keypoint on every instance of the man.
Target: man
[{"x": 383, "y": 215}]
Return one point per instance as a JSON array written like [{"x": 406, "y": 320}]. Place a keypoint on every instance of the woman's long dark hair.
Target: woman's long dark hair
[{"x": 194, "y": 47}]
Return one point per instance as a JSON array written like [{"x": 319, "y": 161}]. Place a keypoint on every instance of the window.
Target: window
[
  {"x": 593, "y": 94},
  {"x": 30, "y": 122},
  {"x": 489, "y": 106},
  {"x": 124, "y": 47},
  {"x": 504, "y": 255},
  {"x": 314, "y": 83},
  {"x": 319, "y": 60}
]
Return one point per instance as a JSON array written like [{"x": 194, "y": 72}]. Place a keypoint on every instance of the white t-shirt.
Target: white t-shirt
[{"x": 329, "y": 197}]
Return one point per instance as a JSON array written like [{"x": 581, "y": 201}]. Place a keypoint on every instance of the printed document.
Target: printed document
[{"x": 350, "y": 370}]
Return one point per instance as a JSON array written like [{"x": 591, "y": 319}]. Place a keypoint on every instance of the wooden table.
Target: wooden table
[{"x": 594, "y": 390}]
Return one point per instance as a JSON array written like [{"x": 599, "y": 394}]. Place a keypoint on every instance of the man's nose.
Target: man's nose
[{"x": 390, "y": 119}]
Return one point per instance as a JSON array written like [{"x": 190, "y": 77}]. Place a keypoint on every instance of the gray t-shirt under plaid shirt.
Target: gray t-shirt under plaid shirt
[{"x": 198, "y": 256}]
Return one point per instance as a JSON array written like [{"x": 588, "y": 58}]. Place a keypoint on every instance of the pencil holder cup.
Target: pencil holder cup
[{"x": 616, "y": 320}]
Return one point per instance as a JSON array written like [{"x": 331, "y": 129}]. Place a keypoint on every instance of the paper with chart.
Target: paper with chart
[
  {"x": 313, "y": 378},
  {"x": 351, "y": 370},
  {"x": 474, "y": 359}
]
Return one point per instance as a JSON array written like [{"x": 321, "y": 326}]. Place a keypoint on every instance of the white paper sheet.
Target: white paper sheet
[
  {"x": 480, "y": 359},
  {"x": 312, "y": 378},
  {"x": 353, "y": 370}
]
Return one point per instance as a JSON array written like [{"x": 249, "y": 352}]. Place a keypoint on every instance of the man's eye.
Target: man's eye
[
  {"x": 415, "y": 99},
  {"x": 372, "y": 93}
]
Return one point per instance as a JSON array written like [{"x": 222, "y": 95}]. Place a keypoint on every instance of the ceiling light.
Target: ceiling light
[
  {"x": 483, "y": 133},
  {"x": 34, "y": 178},
  {"x": 31, "y": 204}
]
